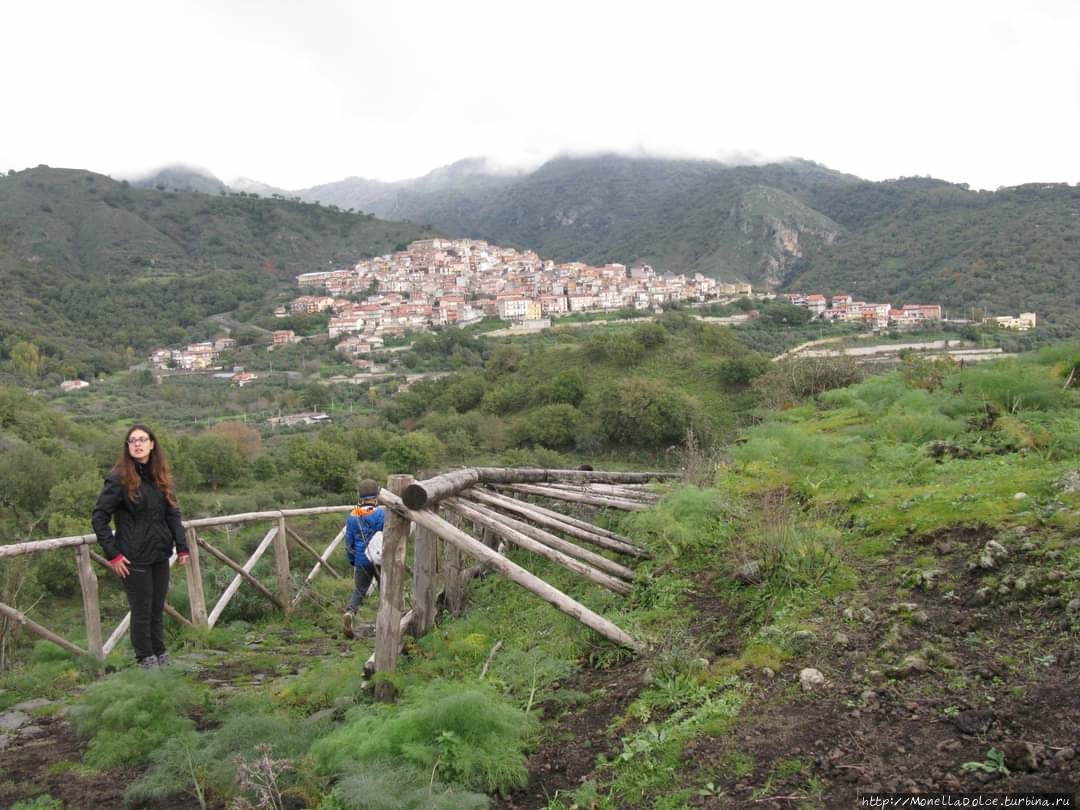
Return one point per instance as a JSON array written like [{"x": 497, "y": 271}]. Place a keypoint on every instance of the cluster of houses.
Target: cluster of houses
[
  {"x": 437, "y": 282},
  {"x": 193, "y": 357},
  {"x": 882, "y": 316},
  {"x": 877, "y": 316}
]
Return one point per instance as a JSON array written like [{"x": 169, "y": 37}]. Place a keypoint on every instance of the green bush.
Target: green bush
[
  {"x": 643, "y": 413},
  {"x": 465, "y": 734},
  {"x": 688, "y": 519},
  {"x": 555, "y": 426},
  {"x": 393, "y": 786},
  {"x": 132, "y": 713}
]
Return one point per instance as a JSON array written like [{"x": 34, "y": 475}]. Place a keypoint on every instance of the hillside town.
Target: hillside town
[
  {"x": 444, "y": 282},
  {"x": 440, "y": 282}
]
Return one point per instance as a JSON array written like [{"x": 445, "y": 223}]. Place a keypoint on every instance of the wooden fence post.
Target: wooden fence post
[
  {"x": 91, "y": 606},
  {"x": 194, "y": 581},
  {"x": 425, "y": 563},
  {"x": 453, "y": 582},
  {"x": 281, "y": 565},
  {"x": 391, "y": 585}
]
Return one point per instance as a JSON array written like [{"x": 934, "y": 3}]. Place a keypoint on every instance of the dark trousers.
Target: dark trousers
[
  {"x": 362, "y": 576},
  {"x": 147, "y": 586}
]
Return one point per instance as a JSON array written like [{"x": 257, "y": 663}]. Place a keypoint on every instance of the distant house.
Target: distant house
[
  {"x": 284, "y": 336},
  {"x": 1021, "y": 323},
  {"x": 73, "y": 385}
]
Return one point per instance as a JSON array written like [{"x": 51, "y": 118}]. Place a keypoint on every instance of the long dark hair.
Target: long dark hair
[{"x": 156, "y": 466}]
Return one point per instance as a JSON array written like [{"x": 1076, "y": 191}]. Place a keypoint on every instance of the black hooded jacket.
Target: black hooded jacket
[{"x": 146, "y": 529}]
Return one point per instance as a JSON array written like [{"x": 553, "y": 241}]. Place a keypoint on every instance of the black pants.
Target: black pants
[{"x": 147, "y": 586}]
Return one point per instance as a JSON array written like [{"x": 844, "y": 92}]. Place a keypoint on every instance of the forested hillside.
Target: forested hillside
[
  {"x": 794, "y": 225},
  {"x": 91, "y": 267}
]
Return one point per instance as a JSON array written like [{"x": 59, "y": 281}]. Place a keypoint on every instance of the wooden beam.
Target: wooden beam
[
  {"x": 239, "y": 569},
  {"x": 424, "y": 493},
  {"x": 425, "y": 575},
  {"x": 300, "y": 541},
  {"x": 281, "y": 564},
  {"x": 516, "y": 574},
  {"x": 34, "y": 546},
  {"x": 405, "y": 626},
  {"x": 565, "y": 524},
  {"x": 234, "y": 586},
  {"x": 517, "y": 475},
  {"x": 522, "y": 540},
  {"x": 39, "y": 630},
  {"x": 91, "y": 606},
  {"x": 627, "y": 492},
  {"x": 598, "y": 561},
  {"x": 576, "y": 497},
  {"x": 196, "y": 594},
  {"x": 453, "y": 579},
  {"x": 177, "y": 615},
  {"x": 322, "y": 561},
  {"x": 391, "y": 587}
]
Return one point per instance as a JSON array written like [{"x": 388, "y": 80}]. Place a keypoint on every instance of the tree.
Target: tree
[
  {"x": 643, "y": 413},
  {"x": 322, "y": 465},
  {"x": 245, "y": 438},
  {"x": 26, "y": 359},
  {"x": 412, "y": 452},
  {"x": 217, "y": 461},
  {"x": 555, "y": 426}
]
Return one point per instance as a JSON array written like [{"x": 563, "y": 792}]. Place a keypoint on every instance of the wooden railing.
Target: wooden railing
[
  {"x": 466, "y": 496},
  {"x": 277, "y": 537}
]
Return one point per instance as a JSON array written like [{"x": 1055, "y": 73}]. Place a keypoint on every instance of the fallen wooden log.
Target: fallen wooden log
[
  {"x": 576, "y": 497},
  {"x": 547, "y": 538},
  {"x": 522, "y": 540},
  {"x": 583, "y": 530},
  {"x": 513, "y": 475},
  {"x": 470, "y": 545}
]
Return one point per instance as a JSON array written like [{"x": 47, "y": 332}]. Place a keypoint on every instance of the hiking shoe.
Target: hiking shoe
[
  {"x": 150, "y": 662},
  {"x": 346, "y": 620},
  {"x": 164, "y": 660}
]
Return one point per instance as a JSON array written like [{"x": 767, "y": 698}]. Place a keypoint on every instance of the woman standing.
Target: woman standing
[{"x": 138, "y": 497}]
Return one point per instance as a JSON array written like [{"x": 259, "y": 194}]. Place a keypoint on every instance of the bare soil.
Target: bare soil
[{"x": 920, "y": 681}]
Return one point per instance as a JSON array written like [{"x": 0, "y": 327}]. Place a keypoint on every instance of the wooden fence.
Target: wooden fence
[{"x": 487, "y": 498}]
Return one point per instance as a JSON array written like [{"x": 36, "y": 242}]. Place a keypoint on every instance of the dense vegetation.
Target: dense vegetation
[{"x": 96, "y": 272}]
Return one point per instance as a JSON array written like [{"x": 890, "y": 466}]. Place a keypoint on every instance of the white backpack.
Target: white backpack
[{"x": 374, "y": 549}]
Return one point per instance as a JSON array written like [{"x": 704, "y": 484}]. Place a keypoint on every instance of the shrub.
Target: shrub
[
  {"x": 643, "y": 413},
  {"x": 392, "y": 786},
  {"x": 463, "y": 734},
  {"x": 555, "y": 426},
  {"x": 131, "y": 714}
]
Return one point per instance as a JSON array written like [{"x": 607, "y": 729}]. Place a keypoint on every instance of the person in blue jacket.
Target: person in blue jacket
[
  {"x": 362, "y": 524},
  {"x": 138, "y": 497}
]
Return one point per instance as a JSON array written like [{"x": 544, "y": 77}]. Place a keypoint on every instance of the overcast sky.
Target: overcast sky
[{"x": 299, "y": 93}]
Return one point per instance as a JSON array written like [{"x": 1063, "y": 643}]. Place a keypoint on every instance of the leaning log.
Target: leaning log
[
  {"x": 548, "y": 539},
  {"x": 239, "y": 569},
  {"x": 522, "y": 540},
  {"x": 39, "y": 630},
  {"x": 577, "y": 497},
  {"x": 306, "y": 546},
  {"x": 514, "y": 475},
  {"x": 609, "y": 491},
  {"x": 541, "y": 515},
  {"x": 515, "y": 573}
]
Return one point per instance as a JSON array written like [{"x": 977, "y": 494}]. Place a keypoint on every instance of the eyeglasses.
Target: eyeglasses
[{"x": 139, "y": 440}]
